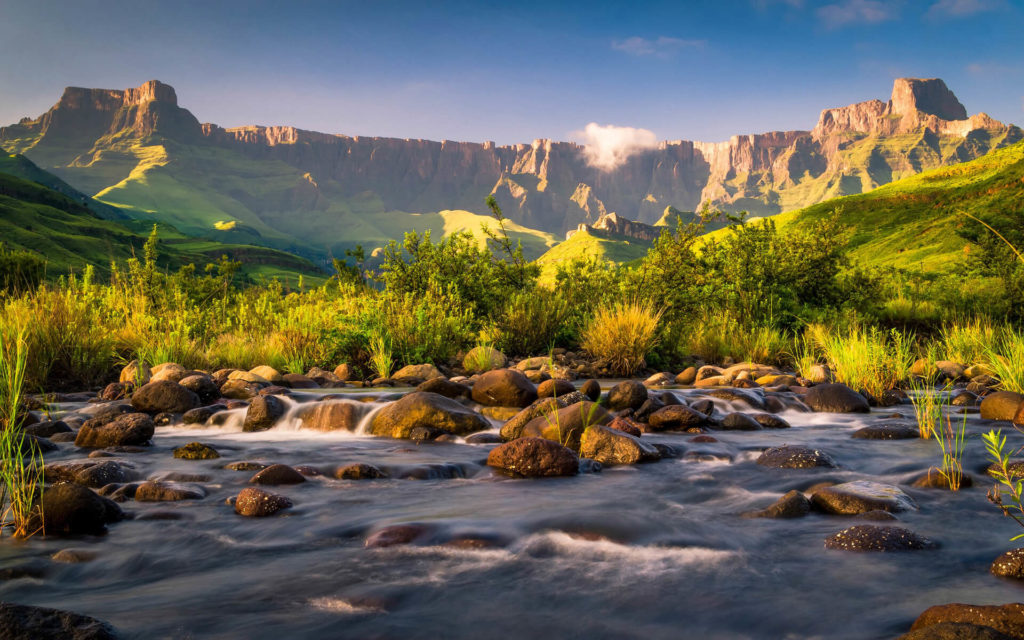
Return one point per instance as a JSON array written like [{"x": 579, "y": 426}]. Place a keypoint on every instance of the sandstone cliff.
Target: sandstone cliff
[{"x": 309, "y": 188}]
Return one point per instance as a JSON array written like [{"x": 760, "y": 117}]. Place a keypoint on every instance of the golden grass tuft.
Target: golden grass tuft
[{"x": 623, "y": 335}]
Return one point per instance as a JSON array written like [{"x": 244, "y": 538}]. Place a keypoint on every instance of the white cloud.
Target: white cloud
[
  {"x": 764, "y": 5},
  {"x": 606, "y": 147},
  {"x": 960, "y": 8},
  {"x": 661, "y": 47},
  {"x": 849, "y": 12}
]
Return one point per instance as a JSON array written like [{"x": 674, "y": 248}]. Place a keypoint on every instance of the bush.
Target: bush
[
  {"x": 623, "y": 335},
  {"x": 531, "y": 322}
]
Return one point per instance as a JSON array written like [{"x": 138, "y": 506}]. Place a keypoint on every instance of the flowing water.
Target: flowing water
[{"x": 653, "y": 551}]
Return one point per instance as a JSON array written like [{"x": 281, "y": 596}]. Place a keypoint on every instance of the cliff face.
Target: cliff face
[{"x": 304, "y": 186}]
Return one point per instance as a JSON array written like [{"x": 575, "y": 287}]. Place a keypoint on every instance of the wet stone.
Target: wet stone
[
  {"x": 277, "y": 474},
  {"x": 886, "y": 432},
  {"x": 257, "y": 503},
  {"x": 793, "y": 457},
  {"x": 867, "y": 537},
  {"x": 792, "y": 505},
  {"x": 245, "y": 465},
  {"x": 196, "y": 451},
  {"x": 1009, "y": 565},
  {"x": 861, "y": 496},
  {"x": 359, "y": 471},
  {"x": 395, "y": 535},
  {"x": 168, "y": 492}
]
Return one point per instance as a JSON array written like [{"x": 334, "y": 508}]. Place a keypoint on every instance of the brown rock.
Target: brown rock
[
  {"x": 332, "y": 415},
  {"x": 257, "y": 503},
  {"x": 869, "y": 537},
  {"x": 1001, "y": 405},
  {"x": 164, "y": 396},
  {"x": 420, "y": 410},
  {"x": 792, "y": 505},
  {"x": 676, "y": 417},
  {"x": 168, "y": 492},
  {"x": 612, "y": 447},
  {"x": 359, "y": 471},
  {"x": 1007, "y": 618},
  {"x": 687, "y": 376},
  {"x": 504, "y": 388},
  {"x": 628, "y": 394},
  {"x": 277, "y": 474},
  {"x": 555, "y": 387},
  {"x": 263, "y": 413},
  {"x": 566, "y": 425},
  {"x": 127, "y": 429},
  {"x": 533, "y": 458}
]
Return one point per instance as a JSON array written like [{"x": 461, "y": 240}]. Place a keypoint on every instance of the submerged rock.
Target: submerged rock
[
  {"x": 861, "y": 496},
  {"x": 886, "y": 432},
  {"x": 168, "y": 492},
  {"x": 196, "y": 451},
  {"x": 257, "y": 503},
  {"x": 426, "y": 410},
  {"x": 611, "y": 447},
  {"x": 835, "y": 398},
  {"x": 534, "y": 458},
  {"x": 869, "y": 537},
  {"x": 359, "y": 471},
  {"x": 395, "y": 535},
  {"x": 793, "y": 504},
  {"x": 792, "y": 457},
  {"x": 22, "y": 622},
  {"x": 739, "y": 422}
]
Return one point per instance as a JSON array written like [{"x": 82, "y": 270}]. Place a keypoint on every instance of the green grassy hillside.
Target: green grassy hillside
[
  {"x": 617, "y": 249},
  {"x": 912, "y": 223},
  {"x": 69, "y": 234}
]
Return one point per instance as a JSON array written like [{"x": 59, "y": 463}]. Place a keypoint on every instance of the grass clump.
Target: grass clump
[
  {"x": 951, "y": 441},
  {"x": 381, "y": 361},
  {"x": 623, "y": 335},
  {"x": 21, "y": 462},
  {"x": 867, "y": 358},
  {"x": 1005, "y": 356}
]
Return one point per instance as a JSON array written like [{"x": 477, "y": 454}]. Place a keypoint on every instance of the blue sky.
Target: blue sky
[{"x": 512, "y": 73}]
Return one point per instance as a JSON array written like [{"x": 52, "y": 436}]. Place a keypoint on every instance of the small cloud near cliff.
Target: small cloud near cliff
[
  {"x": 606, "y": 147},
  {"x": 661, "y": 47},
  {"x": 849, "y": 12}
]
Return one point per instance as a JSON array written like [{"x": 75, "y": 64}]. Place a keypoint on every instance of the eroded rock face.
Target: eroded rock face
[
  {"x": 423, "y": 410},
  {"x": 533, "y": 458}
]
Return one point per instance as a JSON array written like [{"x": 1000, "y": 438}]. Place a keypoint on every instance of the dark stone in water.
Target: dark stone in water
[
  {"x": 485, "y": 437},
  {"x": 667, "y": 451},
  {"x": 1007, "y": 618},
  {"x": 445, "y": 387},
  {"x": 956, "y": 631},
  {"x": 886, "y": 432},
  {"x": 792, "y": 505},
  {"x": 196, "y": 451},
  {"x": 263, "y": 412},
  {"x": 835, "y": 398},
  {"x": 861, "y": 496},
  {"x": 431, "y": 472},
  {"x": 72, "y": 509},
  {"x": 592, "y": 389},
  {"x": 770, "y": 421},
  {"x": 676, "y": 417},
  {"x": 104, "y": 473},
  {"x": 628, "y": 394},
  {"x": 533, "y": 458},
  {"x": 257, "y": 503},
  {"x": 1009, "y": 565},
  {"x": 739, "y": 422},
  {"x": 47, "y": 428},
  {"x": 360, "y": 471},
  {"x": 168, "y": 492},
  {"x": 792, "y": 457},
  {"x": 64, "y": 436},
  {"x": 704, "y": 406},
  {"x": 705, "y": 439},
  {"x": 277, "y": 474},
  {"x": 868, "y": 537},
  {"x": 400, "y": 534},
  {"x": 200, "y": 415},
  {"x": 127, "y": 429},
  {"x": 245, "y": 465},
  {"x": 752, "y": 399},
  {"x": 22, "y": 622}
]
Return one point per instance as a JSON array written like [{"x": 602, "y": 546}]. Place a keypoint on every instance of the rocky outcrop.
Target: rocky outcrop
[{"x": 611, "y": 224}]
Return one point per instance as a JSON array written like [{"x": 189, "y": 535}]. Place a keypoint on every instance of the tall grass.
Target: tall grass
[
  {"x": 966, "y": 341},
  {"x": 381, "y": 356},
  {"x": 867, "y": 358},
  {"x": 951, "y": 442},
  {"x": 21, "y": 462},
  {"x": 623, "y": 335},
  {"x": 1005, "y": 356},
  {"x": 927, "y": 408}
]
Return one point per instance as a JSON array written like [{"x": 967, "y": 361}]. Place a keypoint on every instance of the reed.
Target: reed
[
  {"x": 21, "y": 462},
  {"x": 927, "y": 408},
  {"x": 951, "y": 441}
]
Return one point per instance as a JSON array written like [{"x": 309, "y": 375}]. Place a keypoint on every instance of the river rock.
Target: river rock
[
  {"x": 628, "y": 394},
  {"x": 196, "y": 451},
  {"x": 359, "y": 471},
  {"x": 555, "y": 387},
  {"x": 128, "y": 429},
  {"x": 203, "y": 386},
  {"x": 257, "y": 503},
  {"x": 425, "y": 410},
  {"x": 47, "y": 428},
  {"x": 794, "y": 504},
  {"x": 277, "y": 474},
  {"x": 504, "y": 388},
  {"x": 869, "y": 537},
  {"x": 240, "y": 389},
  {"x": 168, "y": 492},
  {"x": 71, "y": 509},
  {"x": 592, "y": 389},
  {"x": 534, "y": 458},
  {"x": 263, "y": 413},
  {"x": 169, "y": 371},
  {"x": 861, "y": 496},
  {"x": 1001, "y": 405},
  {"x": 612, "y": 447},
  {"x": 23, "y": 622},
  {"x": 444, "y": 387},
  {"x": 886, "y": 432},
  {"x": 626, "y": 425},
  {"x": 399, "y": 534},
  {"x": 333, "y": 415},
  {"x": 161, "y": 396},
  {"x": 676, "y": 417},
  {"x": 753, "y": 399},
  {"x": 568, "y": 423},
  {"x": 1009, "y": 565},
  {"x": 794, "y": 457},
  {"x": 687, "y": 376},
  {"x": 135, "y": 373},
  {"x": 1007, "y": 618},
  {"x": 835, "y": 398},
  {"x": 74, "y": 556},
  {"x": 770, "y": 421},
  {"x": 489, "y": 357},
  {"x": 739, "y": 422},
  {"x": 104, "y": 473}
]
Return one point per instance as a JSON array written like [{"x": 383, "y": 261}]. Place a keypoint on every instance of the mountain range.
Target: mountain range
[{"x": 316, "y": 194}]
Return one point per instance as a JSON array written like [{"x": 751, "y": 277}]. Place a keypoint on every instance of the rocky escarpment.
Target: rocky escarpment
[
  {"x": 611, "y": 224},
  {"x": 103, "y": 141}
]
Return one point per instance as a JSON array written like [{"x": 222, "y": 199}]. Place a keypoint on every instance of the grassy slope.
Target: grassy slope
[
  {"x": 582, "y": 244},
  {"x": 911, "y": 223},
  {"x": 70, "y": 235}
]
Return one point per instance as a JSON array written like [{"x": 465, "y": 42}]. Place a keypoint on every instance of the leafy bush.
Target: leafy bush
[{"x": 531, "y": 321}]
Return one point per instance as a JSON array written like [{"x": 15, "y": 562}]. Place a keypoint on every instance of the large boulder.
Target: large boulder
[
  {"x": 333, "y": 415},
  {"x": 71, "y": 509},
  {"x": 417, "y": 372},
  {"x": 164, "y": 396},
  {"x": 861, "y": 496},
  {"x": 480, "y": 359},
  {"x": 612, "y": 446},
  {"x": 504, "y": 388},
  {"x": 1007, "y": 618},
  {"x": 794, "y": 457},
  {"x": 263, "y": 413},
  {"x": 566, "y": 425},
  {"x": 129, "y": 429},
  {"x": 1001, "y": 405},
  {"x": 533, "y": 458},
  {"x": 676, "y": 417},
  {"x": 23, "y": 622},
  {"x": 869, "y": 537},
  {"x": 425, "y": 410},
  {"x": 628, "y": 394},
  {"x": 835, "y": 398}
]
